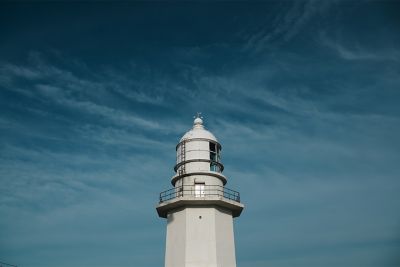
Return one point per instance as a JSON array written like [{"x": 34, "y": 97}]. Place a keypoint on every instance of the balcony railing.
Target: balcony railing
[{"x": 199, "y": 191}]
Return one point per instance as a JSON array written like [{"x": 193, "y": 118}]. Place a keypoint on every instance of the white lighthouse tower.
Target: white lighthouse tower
[{"x": 199, "y": 208}]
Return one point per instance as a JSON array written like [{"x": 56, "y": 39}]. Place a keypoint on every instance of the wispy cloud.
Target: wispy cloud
[
  {"x": 83, "y": 94},
  {"x": 19, "y": 71},
  {"x": 139, "y": 91},
  {"x": 122, "y": 137},
  {"x": 287, "y": 24},
  {"x": 358, "y": 52}
]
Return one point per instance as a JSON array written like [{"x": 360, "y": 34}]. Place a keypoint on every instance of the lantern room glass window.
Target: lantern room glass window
[
  {"x": 214, "y": 167},
  {"x": 215, "y": 156},
  {"x": 214, "y": 152}
]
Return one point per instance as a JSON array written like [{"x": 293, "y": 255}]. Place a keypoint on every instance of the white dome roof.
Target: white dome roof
[{"x": 198, "y": 131}]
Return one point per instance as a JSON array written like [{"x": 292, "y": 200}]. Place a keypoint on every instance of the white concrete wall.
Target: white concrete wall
[
  {"x": 200, "y": 237},
  {"x": 225, "y": 238},
  {"x": 176, "y": 239},
  {"x": 197, "y": 150}
]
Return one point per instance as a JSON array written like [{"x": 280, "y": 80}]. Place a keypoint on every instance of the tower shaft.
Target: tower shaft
[{"x": 200, "y": 236}]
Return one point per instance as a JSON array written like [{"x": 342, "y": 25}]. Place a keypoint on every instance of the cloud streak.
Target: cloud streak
[
  {"x": 287, "y": 23},
  {"x": 357, "y": 52}
]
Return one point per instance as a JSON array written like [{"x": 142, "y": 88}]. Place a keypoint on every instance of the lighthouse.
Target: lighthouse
[{"x": 199, "y": 209}]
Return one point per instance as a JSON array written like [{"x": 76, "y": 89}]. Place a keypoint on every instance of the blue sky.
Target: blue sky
[{"x": 304, "y": 97}]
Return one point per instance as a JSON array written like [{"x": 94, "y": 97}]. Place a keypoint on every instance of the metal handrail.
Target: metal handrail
[{"x": 207, "y": 190}]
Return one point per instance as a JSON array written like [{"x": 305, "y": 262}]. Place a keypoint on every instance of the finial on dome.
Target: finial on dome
[{"x": 198, "y": 119}]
